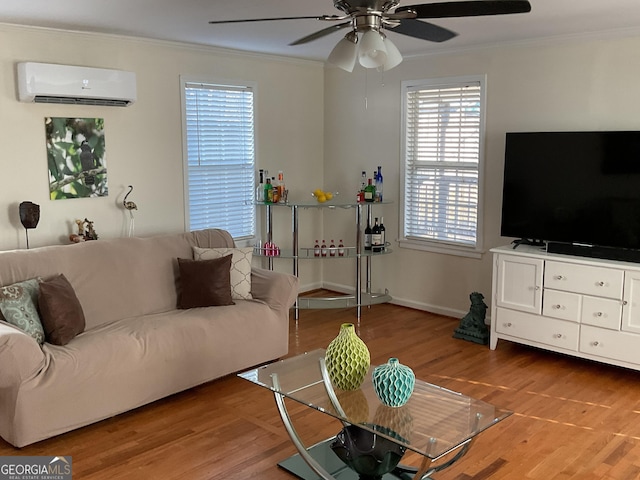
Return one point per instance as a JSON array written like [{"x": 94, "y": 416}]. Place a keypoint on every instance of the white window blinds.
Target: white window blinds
[
  {"x": 442, "y": 160},
  {"x": 220, "y": 157}
]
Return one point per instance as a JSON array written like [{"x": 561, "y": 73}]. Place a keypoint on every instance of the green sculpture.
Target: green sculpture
[{"x": 472, "y": 326}]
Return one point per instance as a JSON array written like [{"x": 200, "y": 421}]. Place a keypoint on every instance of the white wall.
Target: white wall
[
  {"x": 144, "y": 141},
  {"x": 576, "y": 84}
]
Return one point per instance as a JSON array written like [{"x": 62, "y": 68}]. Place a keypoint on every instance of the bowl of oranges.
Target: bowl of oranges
[{"x": 322, "y": 196}]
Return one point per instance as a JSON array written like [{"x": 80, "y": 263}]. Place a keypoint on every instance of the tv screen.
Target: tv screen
[{"x": 573, "y": 188}]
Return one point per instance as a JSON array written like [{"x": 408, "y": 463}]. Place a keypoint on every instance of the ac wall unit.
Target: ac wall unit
[{"x": 51, "y": 83}]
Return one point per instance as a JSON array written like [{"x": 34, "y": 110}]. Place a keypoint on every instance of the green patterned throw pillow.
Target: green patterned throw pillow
[{"x": 18, "y": 306}]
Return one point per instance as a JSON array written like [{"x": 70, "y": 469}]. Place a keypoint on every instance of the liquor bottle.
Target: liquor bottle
[
  {"x": 367, "y": 236},
  {"x": 332, "y": 249},
  {"x": 362, "y": 187},
  {"x": 316, "y": 249},
  {"x": 281, "y": 187},
  {"x": 379, "y": 185},
  {"x": 274, "y": 191},
  {"x": 341, "y": 249},
  {"x": 323, "y": 249},
  {"x": 376, "y": 245},
  {"x": 370, "y": 192},
  {"x": 383, "y": 234},
  {"x": 260, "y": 187},
  {"x": 268, "y": 191}
]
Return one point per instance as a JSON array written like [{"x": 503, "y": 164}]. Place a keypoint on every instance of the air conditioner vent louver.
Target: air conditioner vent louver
[
  {"x": 72, "y": 85},
  {"x": 81, "y": 101}
]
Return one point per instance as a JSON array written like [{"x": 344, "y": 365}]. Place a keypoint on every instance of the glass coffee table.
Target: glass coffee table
[{"x": 436, "y": 423}]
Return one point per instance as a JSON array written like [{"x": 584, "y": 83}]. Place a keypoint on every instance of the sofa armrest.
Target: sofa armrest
[
  {"x": 20, "y": 355},
  {"x": 276, "y": 289}
]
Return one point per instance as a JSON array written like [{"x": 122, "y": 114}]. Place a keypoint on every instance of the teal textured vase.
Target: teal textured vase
[
  {"x": 347, "y": 359},
  {"x": 393, "y": 383}
]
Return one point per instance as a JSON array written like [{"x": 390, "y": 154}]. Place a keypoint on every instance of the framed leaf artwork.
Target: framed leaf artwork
[{"x": 76, "y": 157}]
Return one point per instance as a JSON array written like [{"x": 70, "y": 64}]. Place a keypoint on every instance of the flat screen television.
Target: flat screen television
[{"x": 576, "y": 192}]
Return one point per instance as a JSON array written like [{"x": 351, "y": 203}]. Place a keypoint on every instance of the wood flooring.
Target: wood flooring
[{"x": 573, "y": 419}]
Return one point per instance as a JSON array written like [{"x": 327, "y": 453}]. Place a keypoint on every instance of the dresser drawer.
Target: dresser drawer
[
  {"x": 597, "y": 281},
  {"x": 601, "y": 312},
  {"x": 563, "y": 305},
  {"x": 609, "y": 344},
  {"x": 549, "y": 331}
]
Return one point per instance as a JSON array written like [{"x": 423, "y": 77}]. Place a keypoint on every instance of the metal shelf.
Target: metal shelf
[{"x": 363, "y": 295}]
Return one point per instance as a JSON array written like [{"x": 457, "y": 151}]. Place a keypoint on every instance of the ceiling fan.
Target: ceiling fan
[{"x": 370, "y": 18}]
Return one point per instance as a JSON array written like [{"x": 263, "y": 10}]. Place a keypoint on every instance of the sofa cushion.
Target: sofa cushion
[
  {"x": 18, "y": 306},
  {"x": 61, "y": 311},
  {"x": 240, "y": 267},
  {"x": 205, "y": 283}
]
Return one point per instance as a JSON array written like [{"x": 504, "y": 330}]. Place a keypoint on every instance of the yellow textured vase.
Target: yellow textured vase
[{"x": 347, "y": 359}]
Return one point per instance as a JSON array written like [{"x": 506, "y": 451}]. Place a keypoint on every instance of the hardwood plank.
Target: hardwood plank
[{"x": 573, "y": 419}]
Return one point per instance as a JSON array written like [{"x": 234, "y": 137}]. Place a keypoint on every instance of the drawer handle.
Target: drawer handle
[
  {"x": 600, "y": 284},
  {"x": 595, "y": 344},
  {"x": 557, "y": 307},
  {"x": 559, "y": 277},
  {"x": 508, "y": 324},
  {"x": 624, "y": 302},
  {"x": 599, "y": 314},
  {"x": 557, "y": 335}
]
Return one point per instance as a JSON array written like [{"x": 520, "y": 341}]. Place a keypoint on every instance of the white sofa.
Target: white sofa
[{"x": 136, "y": 347}]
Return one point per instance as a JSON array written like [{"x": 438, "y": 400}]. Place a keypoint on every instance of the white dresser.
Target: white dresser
[{"x": 579, "y": 306}]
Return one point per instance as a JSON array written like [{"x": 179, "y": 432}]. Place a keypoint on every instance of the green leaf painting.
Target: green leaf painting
[{"x": 76, "y": 157}]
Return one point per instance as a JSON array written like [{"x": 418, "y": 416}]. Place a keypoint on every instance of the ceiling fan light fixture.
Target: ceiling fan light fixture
[
  {"x": 345, "y": 53},
  {"x": 394, "y": 57},
  {"x": 373, "y": 53}
]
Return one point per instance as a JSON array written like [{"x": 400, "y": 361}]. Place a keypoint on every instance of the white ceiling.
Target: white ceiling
[{"x": 187, "y": 21}]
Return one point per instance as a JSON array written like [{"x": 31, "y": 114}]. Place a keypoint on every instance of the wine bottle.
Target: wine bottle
[
  {"x": 379, "y": 185},
  {"x": 362, "y": 187},
  {"x": 376, "y": 245},
  {"x": 341, "y": 249},
  {"x": 367, "y": 236},
  {"x": 316, "y": 249},
  {"x": 332, "y": 249},
  {"x": 383, "y": 235},
  {"x": 274, "y": 191},
  {"x": 370, "y": 192},
  {"x": 323, "y": 249}
]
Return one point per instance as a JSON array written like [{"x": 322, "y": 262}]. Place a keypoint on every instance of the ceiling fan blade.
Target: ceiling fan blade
[
  {"x": 321, "y": 33},
  {"x": 316, "y": 17},
  {"x": 424, "y": 31},
  {"x": 470, "y": 8}
]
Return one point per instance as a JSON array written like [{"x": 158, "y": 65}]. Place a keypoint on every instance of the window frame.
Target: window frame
[
  {"x": 434, "y": 245},
  {"x": 185, "y": 80}
]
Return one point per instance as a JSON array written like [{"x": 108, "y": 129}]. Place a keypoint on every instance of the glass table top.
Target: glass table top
[{"x": 433, "y": 422}]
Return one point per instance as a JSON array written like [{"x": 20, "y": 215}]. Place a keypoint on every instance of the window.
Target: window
[
  {"x": 219, "y": 157},
  {"x": 442, "y": 158}
]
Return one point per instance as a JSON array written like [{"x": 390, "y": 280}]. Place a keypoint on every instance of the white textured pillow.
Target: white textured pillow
[{"x": 240, "y": 267}]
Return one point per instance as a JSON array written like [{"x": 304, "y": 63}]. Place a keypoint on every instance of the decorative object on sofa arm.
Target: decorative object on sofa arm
[
  {"x": 393, "y": 383},
  {"x": 472, "y": 326},
  {"x": 29, "y": 217},
  {"x": 347, "y": 358}
]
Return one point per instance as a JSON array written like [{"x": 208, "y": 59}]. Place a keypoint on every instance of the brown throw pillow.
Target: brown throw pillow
[
  {"x": 60, "y": 311},
  {"x": 205, "y": 283}
]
